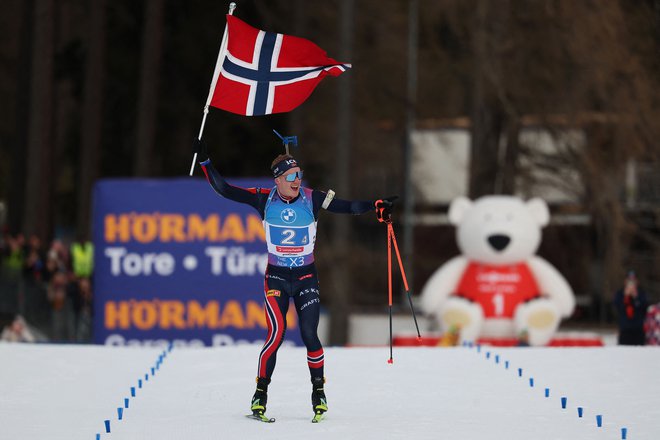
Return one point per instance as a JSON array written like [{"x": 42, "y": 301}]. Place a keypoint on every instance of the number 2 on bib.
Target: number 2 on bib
[{"x": 289, "y": 235}]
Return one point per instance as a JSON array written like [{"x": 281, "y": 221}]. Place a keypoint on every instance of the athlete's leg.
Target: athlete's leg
[
  {"x": 308, "y": 306},
  {"x": 276, "y": 306}
]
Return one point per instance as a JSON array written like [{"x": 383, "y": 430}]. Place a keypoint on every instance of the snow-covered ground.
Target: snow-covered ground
[{"x": 66, "y": 392}]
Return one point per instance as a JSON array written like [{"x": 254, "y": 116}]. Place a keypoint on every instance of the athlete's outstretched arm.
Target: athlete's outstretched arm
[
  {"x": 255, "y": 197},
  {"x": 355, "y": 207}
]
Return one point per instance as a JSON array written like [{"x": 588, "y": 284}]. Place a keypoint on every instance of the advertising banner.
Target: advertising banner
[{"x": 176, "y": 262}]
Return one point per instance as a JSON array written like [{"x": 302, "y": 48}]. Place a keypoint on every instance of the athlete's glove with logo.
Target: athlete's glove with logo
[
  {"x": 384, "y": 209},
  {"x": 199, "y": 147}
]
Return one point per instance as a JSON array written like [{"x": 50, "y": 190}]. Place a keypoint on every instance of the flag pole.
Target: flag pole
[{"x": 216, "y": 74}]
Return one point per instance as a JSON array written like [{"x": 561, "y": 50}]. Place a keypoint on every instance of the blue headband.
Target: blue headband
[{"x": 283, "y": 166}]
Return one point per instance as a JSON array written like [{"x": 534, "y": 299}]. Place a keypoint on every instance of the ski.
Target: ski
[
  {"x": 261, "y": 418},
  {"x": 317, "y": 417}
]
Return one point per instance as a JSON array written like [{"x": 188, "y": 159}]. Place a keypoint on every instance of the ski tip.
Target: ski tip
[
  {"x": 260, "y": 418},
  {"x": 390, "y": 361}
]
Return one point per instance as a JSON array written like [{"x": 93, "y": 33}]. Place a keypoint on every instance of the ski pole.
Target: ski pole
[
  {"x": 403, "y": 275},
  {"x": 383, "y": 218},
  {"x": 389, "y": 284}
]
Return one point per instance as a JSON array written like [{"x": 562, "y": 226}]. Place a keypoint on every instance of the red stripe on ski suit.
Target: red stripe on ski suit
[{"x": 274, "y": 328}]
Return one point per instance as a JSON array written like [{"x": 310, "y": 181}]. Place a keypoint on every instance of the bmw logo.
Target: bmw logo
[{"x": 288, "y": 215}]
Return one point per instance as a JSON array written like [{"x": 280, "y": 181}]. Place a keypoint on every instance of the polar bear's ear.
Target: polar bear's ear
[
  {"x": 458, "y": 208},
  {"x": 539, "y": 211}
]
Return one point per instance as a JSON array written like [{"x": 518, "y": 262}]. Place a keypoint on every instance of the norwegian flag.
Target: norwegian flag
[{"x": 264, "y": 72}]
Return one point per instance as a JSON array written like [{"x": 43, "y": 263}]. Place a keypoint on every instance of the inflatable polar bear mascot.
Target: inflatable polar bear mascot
[{"x": 498, "y": 287}]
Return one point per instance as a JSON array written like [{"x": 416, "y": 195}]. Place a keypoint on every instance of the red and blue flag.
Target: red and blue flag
[{"x": 266, "y": 72}]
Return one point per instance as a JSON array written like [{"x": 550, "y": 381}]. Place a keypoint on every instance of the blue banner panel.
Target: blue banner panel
[{"x": 176, "y": 262}]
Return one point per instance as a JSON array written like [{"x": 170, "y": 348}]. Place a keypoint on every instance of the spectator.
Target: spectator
[
  {"x": 631, "y": 303},
  {"x": 57, "y": 259},
  {"x": 14, "y": 254},
  {"x": 61, "y": 308},
  {"x": 82, "y": 255},
  {"x": 652, "y": 325},
  {"x": 81, "y": 293},
  {"x": 34, "y": 259},
  {"x": 17, "y": 331}
]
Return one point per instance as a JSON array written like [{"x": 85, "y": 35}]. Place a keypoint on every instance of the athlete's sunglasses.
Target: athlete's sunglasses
[{"x": 292, "y": 177}]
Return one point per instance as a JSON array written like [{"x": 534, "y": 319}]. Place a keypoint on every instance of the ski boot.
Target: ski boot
[
  {"x": 260, "y": 397},
  {"x": 319, "y": 403}
]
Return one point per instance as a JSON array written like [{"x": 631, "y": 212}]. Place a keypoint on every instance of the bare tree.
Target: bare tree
[
  {"x": 92, "y": 113},
  {"x": 488, "y": 117},
  {"x": 18, "y": 56},
  {"x": 152, "y": 47},
  {"x": 38, "y": 189}
]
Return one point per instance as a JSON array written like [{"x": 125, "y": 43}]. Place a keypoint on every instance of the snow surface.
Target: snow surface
[{"x": 66, "y": 392}]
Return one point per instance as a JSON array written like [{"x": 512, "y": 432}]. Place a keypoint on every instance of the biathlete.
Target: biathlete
[{"x": 289, "y": 212}]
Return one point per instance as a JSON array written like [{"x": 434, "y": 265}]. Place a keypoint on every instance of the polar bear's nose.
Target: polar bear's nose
[{"x": 499, "y": 242}]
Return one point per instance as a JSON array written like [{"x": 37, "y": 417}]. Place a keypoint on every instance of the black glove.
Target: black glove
[
  {"x": 199, "y": 147},
  {"x": 384, "y": 209}
]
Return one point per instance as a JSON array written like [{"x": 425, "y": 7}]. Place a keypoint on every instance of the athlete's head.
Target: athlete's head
[{"x": 288, "y": 176}]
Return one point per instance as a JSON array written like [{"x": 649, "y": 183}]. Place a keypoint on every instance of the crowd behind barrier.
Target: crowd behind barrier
[{"x": 45, "y": 291}]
